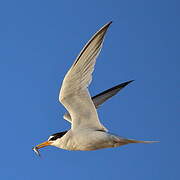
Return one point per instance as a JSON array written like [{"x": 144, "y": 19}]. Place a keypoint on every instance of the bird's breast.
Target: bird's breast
[{"x": 85, "y": 140}]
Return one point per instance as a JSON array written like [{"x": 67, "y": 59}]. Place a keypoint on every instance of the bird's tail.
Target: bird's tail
[{"x": 139, "y": 141}]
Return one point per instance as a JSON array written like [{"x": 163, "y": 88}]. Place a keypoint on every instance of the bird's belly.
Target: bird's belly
[{"x": 89, "y": 140}]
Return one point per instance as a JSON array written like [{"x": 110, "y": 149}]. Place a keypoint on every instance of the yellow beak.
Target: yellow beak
[{"x": 46, "y": 143}]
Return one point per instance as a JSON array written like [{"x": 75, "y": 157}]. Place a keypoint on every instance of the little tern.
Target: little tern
[{"x": 87, "y": 132}]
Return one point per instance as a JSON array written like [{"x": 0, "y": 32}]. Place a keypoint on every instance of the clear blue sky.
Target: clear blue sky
[{"x": 40, "y": 39}]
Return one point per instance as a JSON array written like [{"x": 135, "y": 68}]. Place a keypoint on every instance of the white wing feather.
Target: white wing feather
[
  {"x": 100, "y": 98},
  {"x": 74, "y": 94}
]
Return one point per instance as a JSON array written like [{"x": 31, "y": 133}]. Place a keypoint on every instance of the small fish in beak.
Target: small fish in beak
[
  {"x": 44, "y": 144},
  {"x": 35, "y": 149}
]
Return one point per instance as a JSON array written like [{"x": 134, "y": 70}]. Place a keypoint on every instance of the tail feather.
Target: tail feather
[{"x": 139, "y": 141}]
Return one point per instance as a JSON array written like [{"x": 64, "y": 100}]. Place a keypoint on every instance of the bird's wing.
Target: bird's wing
[
  {"x": 74, "y": 94},
  {"x": 102, "y": 97},
  {"x": 105, "y": 95}
]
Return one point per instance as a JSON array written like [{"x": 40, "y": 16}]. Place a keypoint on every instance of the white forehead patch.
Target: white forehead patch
[{"x": 50, "y": 137}]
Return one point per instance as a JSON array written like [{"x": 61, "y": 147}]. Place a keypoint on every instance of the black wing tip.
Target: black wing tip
[
  {"x": 122, "y": 85},
  {"x": 109, "y": 23},
  {"x": 117, "y": 88},
  {"x": 126, "y": 83},
  {"x": 106, "y": 26}
]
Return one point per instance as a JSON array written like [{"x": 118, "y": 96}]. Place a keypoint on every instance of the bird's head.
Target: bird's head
[{"x": 52, "y": 141}]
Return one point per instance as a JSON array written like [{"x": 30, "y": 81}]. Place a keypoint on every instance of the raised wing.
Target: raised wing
[
  {"x": 102, "y": 97},
  {"x": 74, "y": 94}
]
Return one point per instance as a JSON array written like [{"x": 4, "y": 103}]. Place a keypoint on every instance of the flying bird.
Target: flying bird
[{"x": 87, "y": 132}]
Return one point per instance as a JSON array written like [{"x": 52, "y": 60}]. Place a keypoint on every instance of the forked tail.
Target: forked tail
[{"x": 137, "y": 141}]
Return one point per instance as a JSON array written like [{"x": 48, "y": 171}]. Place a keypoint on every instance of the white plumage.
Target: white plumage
[{"x": 87, "y": 132}]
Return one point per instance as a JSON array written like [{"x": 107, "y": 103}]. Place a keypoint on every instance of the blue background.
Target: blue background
[{"x": 39, "y": 41}]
